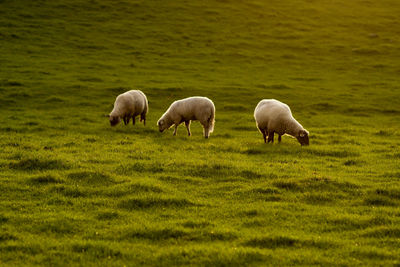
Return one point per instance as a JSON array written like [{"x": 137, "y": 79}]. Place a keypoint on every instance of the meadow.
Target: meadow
[{"x": 76, "y": 192}]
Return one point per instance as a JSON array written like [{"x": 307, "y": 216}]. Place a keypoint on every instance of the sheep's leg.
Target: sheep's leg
[
  {"x": 264, "y": 133},
  {"x": 271, "y": 136},
  {"x": 279, "y": 138},
  {"x": 176, "y": 128},
  {"x": 133, "y": 120},
  {"x": 143, "y": 118},
  {"x": 187, "y": 124},
  {"x": 125, "y": 122},
  {"x": 206, "y": 130}
]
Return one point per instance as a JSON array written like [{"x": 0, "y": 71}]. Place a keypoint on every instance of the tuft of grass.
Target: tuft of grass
[
  {"x": 350, "y": 162},
  {"x": 32, "y": 164},
  {"x": 288, "y": 185},
  {"x": 107, "y": 215},
  {"x": 90, "y": 177},
  {"x": 182, "y": 235},
  {"x": 71, "y": 192},
  {"x": 379, "y": 201},
  {"x": 96, "y": 251},
  {"x": 196, "y": 225},
  {"x": 383, "y": 232},
  {"x": 7, "y": 237},
  {"x": 43, "y": 180},
  {"x": 139, "y": 167},
  {"x": 57, "y": 226},
  {"x": 285, "y": 242},
  {"x": 3, "y": 219},
  {"x": 152, "y": 202},
  {"x": 271, "y": 242}
]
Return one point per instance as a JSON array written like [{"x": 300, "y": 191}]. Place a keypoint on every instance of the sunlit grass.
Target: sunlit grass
[{"x": 75, "y": 191}]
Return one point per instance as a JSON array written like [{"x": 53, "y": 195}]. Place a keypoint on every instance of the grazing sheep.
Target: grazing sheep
[
  {"x": 273, "y": 116},
  {"x": 189, "y": 109},
  {"x": 129, "y": 105}
]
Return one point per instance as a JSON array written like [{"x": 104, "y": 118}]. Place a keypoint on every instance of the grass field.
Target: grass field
[{"x": 74, "y": 191}]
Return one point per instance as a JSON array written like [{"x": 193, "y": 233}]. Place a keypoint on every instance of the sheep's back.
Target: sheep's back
[
  {"x": 193, "y": 107},
  {"x": 271, "y": 113},
  {"x": 137, "y": 101}
]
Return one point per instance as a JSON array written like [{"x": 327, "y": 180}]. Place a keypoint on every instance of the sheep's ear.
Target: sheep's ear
[
  {"x": 107, "y": 115},
  {"x": 302, "y": 133}
]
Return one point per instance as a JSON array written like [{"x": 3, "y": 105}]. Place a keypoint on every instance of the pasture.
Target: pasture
[{"x": 75, "y": 191}]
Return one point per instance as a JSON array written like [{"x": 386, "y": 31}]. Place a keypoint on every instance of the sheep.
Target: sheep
[
  {"x": 129, "y": 105},
  {"x": 189, "y": 109},
  {"x": 273, "y": 116}
]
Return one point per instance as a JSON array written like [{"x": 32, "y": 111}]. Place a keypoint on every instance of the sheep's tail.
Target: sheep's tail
[{"x": 211, "y": 120}]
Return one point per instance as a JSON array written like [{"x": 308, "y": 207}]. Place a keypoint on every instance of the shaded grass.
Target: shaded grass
[
  {"x": 107, "y": 215},
  {"x": 96, "y": 251},
  {"x": 153, "y": 202},
  {"x": 285, "y": 241},
  {"x": 181, "y": 235},
  {"x": 43, "y": 180},
  {"x": 74, "y": 191},
  {"x": 38, "y": 164},
  {"x": 90, "y": 177}
]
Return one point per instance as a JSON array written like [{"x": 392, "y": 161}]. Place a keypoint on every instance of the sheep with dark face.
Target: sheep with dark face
[
  {"x": 273, "y": 116},
  {"x": 189, "y": 109},
  {"x": 129, "y": 105}
]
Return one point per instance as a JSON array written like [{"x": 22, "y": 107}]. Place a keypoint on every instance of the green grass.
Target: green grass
[{"x": 74, "y": 191}]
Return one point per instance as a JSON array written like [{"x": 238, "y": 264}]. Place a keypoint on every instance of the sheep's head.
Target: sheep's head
[
  {"x": 302, "y": 137},
  {"x": 114, "y": 120},
  {"x": 162, "y": 125}
]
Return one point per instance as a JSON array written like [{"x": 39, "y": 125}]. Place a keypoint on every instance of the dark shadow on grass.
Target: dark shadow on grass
[
  {"x": 131, "y": 189},
  {"x": 330, "y": 153},
  {"x": 266, "y": 194},
  {"x": 285, "y": 242},
  {"x": 370, "y": 254},
  {"x": 96, "y": 251},
  {"x": 380, "y": 201},
  {"x": 107, "y": 215},
  {"x": 326, "y": 184},
  {"x": 4, "y": 236},
  {"x": 183, "y": 235},
  {"x": 178, "y": 180},
  {"x": 73, "y": 192},
  {"x": 383, "y": 232},
  {"x": 288, "y": 185},
  {"x": 38, "y": 164},
  {"x": 44, "y": 180},
  {"x": 89, "y": 177},
  {"x": 154, "y": 203},
  {"x": 24, "y": 249},
  {"x": 196, "y": 225},
  {"x": 3, "y": 219},
  {"x": 57, "y": 226},
  {"x": 139, "y": 167}
]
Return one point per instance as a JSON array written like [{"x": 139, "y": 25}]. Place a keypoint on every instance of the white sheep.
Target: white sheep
[
  {"x": 273, "y": 116},
  {"x": 189, "y": 109},
  {"x": 129, "y": 105}
]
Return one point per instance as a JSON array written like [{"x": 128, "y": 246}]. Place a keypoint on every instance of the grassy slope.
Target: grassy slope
[{"x": 75, "y": 191}]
